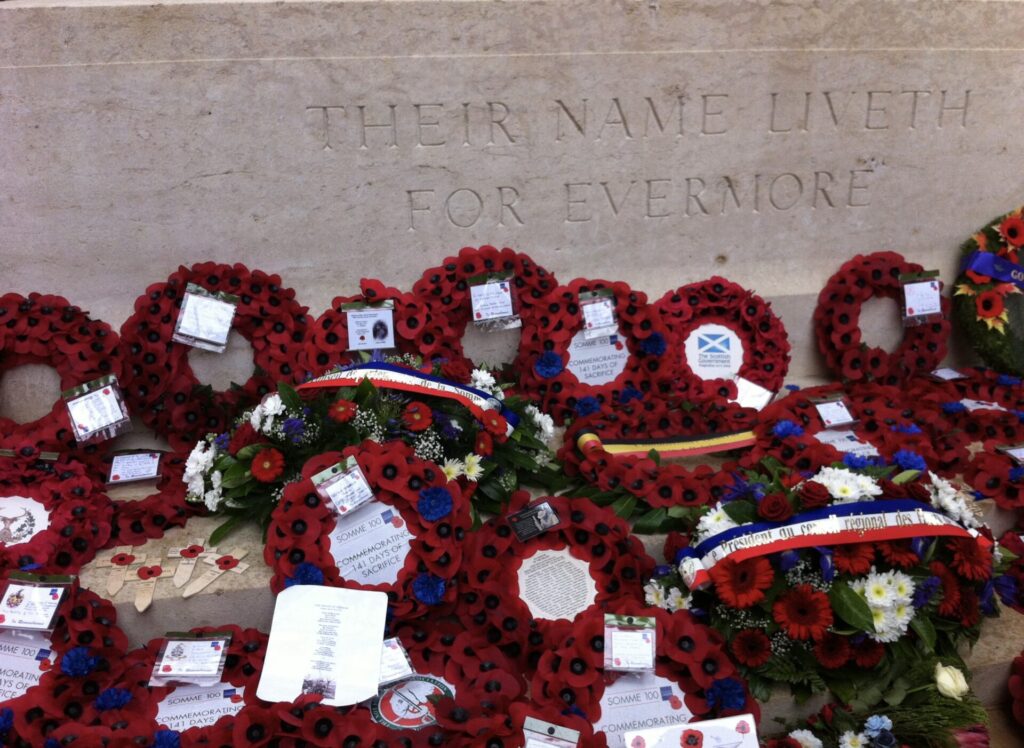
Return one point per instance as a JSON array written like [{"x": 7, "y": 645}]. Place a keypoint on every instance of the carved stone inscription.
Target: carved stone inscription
[{"x": 674, "y": 127}]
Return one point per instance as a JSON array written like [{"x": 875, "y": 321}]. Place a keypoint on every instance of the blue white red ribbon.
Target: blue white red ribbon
[{"x": 994, "y": 266}]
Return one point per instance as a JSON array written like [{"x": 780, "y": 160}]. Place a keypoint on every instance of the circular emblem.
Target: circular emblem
[{"x": 410, "y": 704}]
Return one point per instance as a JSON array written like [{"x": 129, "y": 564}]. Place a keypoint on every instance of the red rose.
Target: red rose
[
  {"x": 457, "y": 371},
  {"x": 342, "y": 410},
  {"x": 417, "y": 416},
  {"x": 243, "y": 437},
  {"x": 267, "y": 465},
  {"x": 775, "y": 507},
  {"x": 814, "y": 495}
]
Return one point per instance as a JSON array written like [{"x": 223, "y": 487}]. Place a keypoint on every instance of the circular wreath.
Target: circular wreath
[
  {"x": 49, "y": 330},
  {"x": 989, "y": 307},
  {"x": 688, "y": 654},
  {"x": 544, "y": 361},
  {"x": 78, "y": 519},
  {"x": 136, "y": 521},
  {"x": 1016, "y": 687},
  {"x": 446, "y": 289},
  {"x": 718, "y": 301},
  {"x": 837, "y": 323},
  {"x": 490, "y": 604},
  {"x": 434, "y": 509},
  {"x": 161, "y": 386},
  {"x": 657, "y": 486},
  {"x": 417, "y": 331}
]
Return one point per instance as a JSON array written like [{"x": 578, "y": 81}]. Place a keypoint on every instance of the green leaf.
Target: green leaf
[
  {"x": 235, "y": 476},
  {"x": 851, "y": 607},
  {"x": 247, "y": 453},
  {"x": 655, "y": 456},
  {"x": 906, "y": 476},
  {"x": 289, "y": 397},
  {"x": 624, "y": 506},
  {"x": 226, "y": 528},
  {"x": 740, "y": 512},
  {"x": 650, "y": 522},
  {"x": 925, "y": 630}
]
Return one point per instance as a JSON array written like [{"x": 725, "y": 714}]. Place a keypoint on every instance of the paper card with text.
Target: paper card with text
[
  {"x": 972, "y": 405},
  {"x": 922, "y": 297},
  {"x": 370, "y": 328},
  {"x": 846, "y": 441},
  {"x": 493, "y": 302},
  {"x": 394, "y": 662},
  {"x": 946, "y": 374},
  {"x": 598, "y": 361},
  {"x": 834, "y": 412},
  {"x": 750, "y": 394},
  {"x": 599, "y": 319},
  {"x": 629, "y": 643},
  {"x": 1013, "y": 451},
  {"x": 24, "y": 657},
  {"x": 533, "y": 520},
  {"x": 31, "y": 603},
  {"x": 541, "y": 734},
  {"x": 344, "y": 485},
  {"x": 132, "y": 467},
  {"x": 205, "y": 318},
  {"x": 199, "y": 706},
  {"x": 192, "y": 659},
  {"x": 369, "y": 544},
  {"x": 97, "y": 410},
  {"x": 727, "y": 732},
  {"x": 632, "y": 701}
]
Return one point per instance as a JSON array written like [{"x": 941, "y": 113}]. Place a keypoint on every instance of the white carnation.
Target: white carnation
[
  {"x": 714, "y": 522},
  {"x": 805, "y": 738},
  {"x": 850, "y": 739},
  {"x": 951, "y": 501},
  {"x": 545, "y": 423},
  {"x": 846, "y": 486}
]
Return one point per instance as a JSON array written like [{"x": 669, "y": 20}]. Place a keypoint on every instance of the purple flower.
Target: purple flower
[
  {"x": 221, "y": 442},
  {"x": 925, "y": 592},
  {"x": 294, "y": 428},
  {"x": 1008, "y": 590}
]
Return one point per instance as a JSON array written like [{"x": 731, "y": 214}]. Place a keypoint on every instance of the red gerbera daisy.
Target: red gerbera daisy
[
  {"x": 853, "y": 558},
  {"x": 868, "y": 654},
  {"x": 495, "y": 423},
  {"x": 833, "y": 651},
  {"x": 950, "y": 589},
  {"x": 989, "y": 304},
  {"x": 342, "y": 410},
  {"x": 417, "y": 416},
  {"x": 969, "y": 560},
  {"x": 267, "y": 465},
  {"x": 484, "y": 444},
  {"x": 1012, "y": 229},
  {"x": 803, "y": 613},
  {"x": 751, "y": 647},
  {"x": 742, "y": 584}
]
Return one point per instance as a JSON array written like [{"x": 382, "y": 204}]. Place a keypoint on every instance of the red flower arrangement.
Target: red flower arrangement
[
  {"x": 160, "y": 385},
  {"x": 49, "y": 330},
  {"x": 636, "y": 484},
  {"x": 446, "y": 291},
  {"x": 414, "y": 494},
  {"x": 720, "y": 302},
  {"x": 545, "y": 363},
  {"x": 418, "y": 331},
  {"x": 836, "y": 323},
  {"x": 1016, "y": 687},
  {"x": 492, "y": 602},
  {"x": 691, "y": 662}
]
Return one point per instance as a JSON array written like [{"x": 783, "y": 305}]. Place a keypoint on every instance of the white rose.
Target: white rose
[{"x": 951, "y": 682}]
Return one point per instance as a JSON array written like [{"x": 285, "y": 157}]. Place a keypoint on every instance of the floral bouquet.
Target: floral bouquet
[
  {"x": 492, "y": 448},
  {"x": 840, "y": 581}
]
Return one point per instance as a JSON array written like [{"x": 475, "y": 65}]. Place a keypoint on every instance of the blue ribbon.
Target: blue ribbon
[
  {"x": 853, "y": 509},
  {"x": 994, "y": 266},
  {"x": 507, "y": 414}
]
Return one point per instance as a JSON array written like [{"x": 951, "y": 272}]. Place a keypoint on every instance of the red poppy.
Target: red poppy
[
  {"x": 267, "y": 465},
  {"x": 244, "y": 436},
  {"x": 192, "y": 551},
  {"x": 751, "y": 647},
  {"x": 342, "y": 410},
  {"x": 1012, "y": 230},
  {"x": 989, "y": 304},
  {"x": 484, "y": 444},
  {"x": 803, "y": 613},
  {"x": 495, "y": 423},
  {"x": 150, "y": 572},
  {"x": 742, "y": 584},
  {"x": 227, "y": 563},
  {"x": 969, "y": 560},
  {"x": 853, "y": 558},
  {"x": 122, "y": 559},
  {"x": 833, "y": 651},
  {"x": 417, "y": 416},
  {"x": 691, "y": 739}
]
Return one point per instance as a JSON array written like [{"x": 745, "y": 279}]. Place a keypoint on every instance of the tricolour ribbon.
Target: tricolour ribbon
[
  {"x": 994, "y": 266},
  {"x": 389, "y": 376},
  {"x": 669, "y": 447},
  {"x": 857, "y": 522}
]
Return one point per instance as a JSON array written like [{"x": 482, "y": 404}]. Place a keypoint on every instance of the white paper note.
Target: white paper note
[
  {"x": 922, "y": 299},
  {"x": 556, "y": 584},
  {"x": 95, "y": 411},
  {"x": 192, "y": 661},
  {"x": 640, "y": 700},
  {"x": 947, "y": 375},
  {"x": 199, "y": 706},
  {"x": 491, "y": 300},
  {"x": 347, "y": 490},
  {"x": 128, "y": 468},
  {"x": 726, "y": 732},
  {"x": 632, "y": 650},
  {"x": 324, "y": 640},
  {"x": 204, "y": 319},
  {"x": 846, "y": 441},
  {"x": 29, "y": 607},
  {"x": 751, "y": 395},
  {"x": 598, "y": 361},
  {"x": 394, "y": 662},
  {"x": 370, "y": 543},
  {"x": 599, "y": 318},
  {"x": 371, "y": 329},
  {"x": 834, "y": 413}
]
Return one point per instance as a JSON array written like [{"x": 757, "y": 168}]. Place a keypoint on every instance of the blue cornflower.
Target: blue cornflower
[
  {"x": 587, "y": 405},
  {"x": 726, "y": 693},
  {"x": 428, "y": 589},
  {"x": 953, "y": 407},
  {"x": 6, "y": 720},
  {"x": 305, "y": 573},
  {"x": 434, "y": 503},
  {"x": 77, "y": 662},
  {"x": 112, "y": 698},
  {"x": 919, "y": 545},
  {"x": 875, "y": 724},
  {"x": 788, "y": 559},
  {"x": 1007, "y": 381},
  {"x": 294, "y": 428},
  {"x": 653, "y": 344},
  {"x": 793, "y": 387},
  {"x": 628, "y": 393},
  {"x": 856, "y": 462},
  {"x": 1008, "y": 590},
  {"x": 906, "y": 428},
  {"x": 908, "y": 460},
  {"x": 741, "y": 489},
  {"x": 167, "y": 739},
  {"x": 925, "y": 591},
  {"x": 222, "y": 441},
  {"x": 548, "y": 365},
  {"x": 1017, "y": 474},
  {"x": 827, "y": 565},
  {"x": 785, "y": 428},
  {"x": 662, "y": 570}
]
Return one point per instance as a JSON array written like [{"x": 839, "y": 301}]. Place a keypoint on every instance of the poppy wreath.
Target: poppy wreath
[
  {"x": 435, "y": 511},
  {"x": 717, "y": 301},
  {"x": 506, "y": 731},
  {"x": 653, "y": 493},
  {"x": 49, "y": 330},
  {"x": 77, "y": 524},
  {"x": 160, "y": 384},
  {"x": 903, "y": 435},
  {"x": 417, "y": 331},
  {"x": 1016, "y": 688},
  {"x": 845, "y": 610},
  {"x": 490, "y": 600},
  {"x": 688, "y": 655},
  {"x": 985, "y": 406},
  {"x": 987, "y": 301},
  {"x": 544, "y": 361},
  {"x": 997, "y": 476},
  {"x": 1013, "y": 597},
  {"x": 446, "y": 289},
  {"x": 837, "y": 323},
  {"x": 149, "y": 518}
]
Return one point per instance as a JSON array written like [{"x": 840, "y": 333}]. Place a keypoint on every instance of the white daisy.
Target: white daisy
[
  {"x": 654, "y": 594},
  {"x": 472, "y": 468},
  {"x": 714, "y": 522},
  {"x": 850, "y": 739},
  {"x": 453, "y": 468}
]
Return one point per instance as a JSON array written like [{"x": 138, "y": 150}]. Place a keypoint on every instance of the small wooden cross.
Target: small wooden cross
[
  {"x": 119, "y": 564},
  {"x": 145, "y": 584},
  {"x": 189, "y": 555},
  {"x": 230, "y": 561}
]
